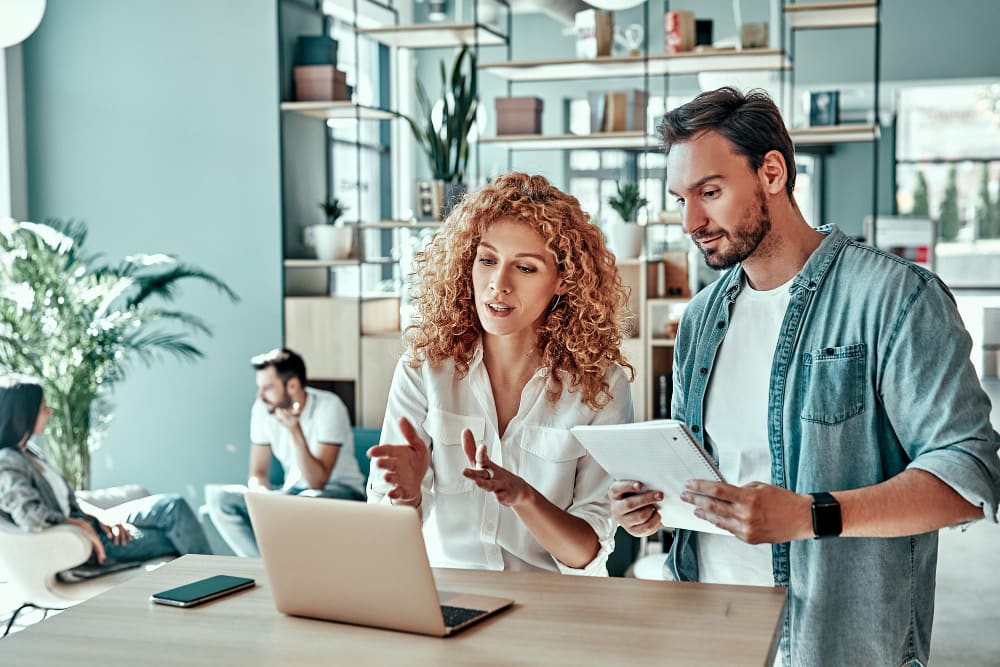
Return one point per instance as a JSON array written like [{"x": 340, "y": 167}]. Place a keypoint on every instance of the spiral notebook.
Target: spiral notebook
[{"x": 663, "y": 455}]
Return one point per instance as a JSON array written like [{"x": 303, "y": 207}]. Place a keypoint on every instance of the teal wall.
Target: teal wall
[{"x": 157, "y": 123}]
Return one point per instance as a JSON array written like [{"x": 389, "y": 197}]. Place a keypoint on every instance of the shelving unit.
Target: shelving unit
[
  {"x": 821, "y": 15},
  {"x": 436, "y": 35},
  {"x": 338, "y": 111},
  {"x": 616, "y": 67}
]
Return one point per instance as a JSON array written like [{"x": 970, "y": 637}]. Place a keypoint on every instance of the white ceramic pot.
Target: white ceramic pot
[
  {"x": 333, "y": 241},
  {"x": 624, "y": 239}
]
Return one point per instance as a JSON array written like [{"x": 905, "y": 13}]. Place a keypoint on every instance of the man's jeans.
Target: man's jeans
[
  {"x": 165, "y": 526},
  {"x": 227, "y": 507}
]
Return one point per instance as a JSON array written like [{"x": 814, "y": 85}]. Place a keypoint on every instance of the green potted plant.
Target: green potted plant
[
  {"x": 624, "y": 236},
  {"x": 76, "y": 324},
  {"x": 334, "y": 239},
  {"x": 444, "y": 136}
]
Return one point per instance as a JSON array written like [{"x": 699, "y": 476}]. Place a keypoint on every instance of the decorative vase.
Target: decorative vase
[
  {"x": 333, "y": 241},
  {"x": 624, "y": 239}
]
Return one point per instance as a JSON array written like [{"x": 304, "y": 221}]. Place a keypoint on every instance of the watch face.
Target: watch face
[{"x": 826, "y": 515}]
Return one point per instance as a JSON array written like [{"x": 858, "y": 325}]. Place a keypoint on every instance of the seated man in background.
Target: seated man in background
[{"x": 308, "y": 430}]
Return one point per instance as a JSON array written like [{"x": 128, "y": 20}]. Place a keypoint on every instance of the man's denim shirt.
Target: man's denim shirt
[{"x": 871, "y": 376}]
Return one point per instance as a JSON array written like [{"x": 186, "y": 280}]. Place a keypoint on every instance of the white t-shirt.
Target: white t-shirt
[
  {"x": 465, "y": 527},
  {"x": 324, "y": 419},
  {"x": 736, "y": 425}
]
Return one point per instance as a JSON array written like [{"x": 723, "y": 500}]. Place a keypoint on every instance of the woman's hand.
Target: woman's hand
[
  {"x": 91, "y": 534},
  {"x": 509, "y": 489},
  {"x": 405, "y": 465},
  {"x": 119, "y": 533}
]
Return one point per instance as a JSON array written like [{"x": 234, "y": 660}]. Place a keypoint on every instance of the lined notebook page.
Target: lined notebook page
[{"x": 661, "y": 455}]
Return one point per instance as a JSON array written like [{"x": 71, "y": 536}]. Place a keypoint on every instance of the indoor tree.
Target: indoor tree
[{"x": 75, "y": 322}]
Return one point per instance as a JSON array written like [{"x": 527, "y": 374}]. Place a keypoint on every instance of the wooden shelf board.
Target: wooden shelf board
[
  {"x": 688, "y": 62},
  {"x": 435, "y": 35},
  {"x": 833, "y": 134},
  {"x": 662, "y": 342},
  {"x": 666, "y": 301},
  {"x": 822, "y": 15},
  {"x": 400, "y": 224},
  {"x": 616, "y": 140},
  {"x": 318, "y": 263},
  {"x": 338, "y": 110}
]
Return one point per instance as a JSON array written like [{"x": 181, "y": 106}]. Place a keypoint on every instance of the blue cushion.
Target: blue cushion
[{"x": 364, "y": 438}]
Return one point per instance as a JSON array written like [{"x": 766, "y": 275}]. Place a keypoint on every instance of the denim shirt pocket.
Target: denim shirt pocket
[
  {"x": 447, "y": 456},
  {"x": 833, "y": 384}
]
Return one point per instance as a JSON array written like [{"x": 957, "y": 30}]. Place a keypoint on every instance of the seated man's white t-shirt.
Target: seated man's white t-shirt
[
  {"x": 736, "y": 424},
  {"x": 325, "y": 423}
]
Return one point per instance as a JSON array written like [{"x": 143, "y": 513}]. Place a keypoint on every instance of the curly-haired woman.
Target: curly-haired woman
[{"x": 521, "y": 318}]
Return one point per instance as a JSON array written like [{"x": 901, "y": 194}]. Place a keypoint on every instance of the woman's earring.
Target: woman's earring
[{"x": 555, "y": 302}]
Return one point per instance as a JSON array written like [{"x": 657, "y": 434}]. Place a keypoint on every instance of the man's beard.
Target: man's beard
[
  {"x": 285, "y": 404},
  {"x": 745, "y": 239}
]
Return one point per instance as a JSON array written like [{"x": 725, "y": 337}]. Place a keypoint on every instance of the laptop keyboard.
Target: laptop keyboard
[{"x": 454, "y": 616}]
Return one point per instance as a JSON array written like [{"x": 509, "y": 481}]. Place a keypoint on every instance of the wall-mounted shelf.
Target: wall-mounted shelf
[
  {"x": 435, "y": 35},
  {"x": 616, "y": 140},
  {"x": 662, "y": 342},
  {"x": 318, "y": 263},
  {"x": 400, "y": 224},
  {"x": 821, "y": 15},
  {"x": 833, "y": 134},
  {"x": 338, "y": 111},
  {"x": 608, "y": 67}
]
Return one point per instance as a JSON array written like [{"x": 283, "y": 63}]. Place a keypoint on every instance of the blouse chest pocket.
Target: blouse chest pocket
[
  {"x": 447, "y": 456},
  {"x": 549, "y": 458},
  {"x": 833, "y": 384}
]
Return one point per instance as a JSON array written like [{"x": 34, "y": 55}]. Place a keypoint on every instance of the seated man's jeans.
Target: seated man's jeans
[
  {"x": 165, "y": 526},
  {"x": 227, "y": 507}
]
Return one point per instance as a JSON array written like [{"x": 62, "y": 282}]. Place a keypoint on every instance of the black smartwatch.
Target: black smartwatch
[{"x": 826, "y": 515}]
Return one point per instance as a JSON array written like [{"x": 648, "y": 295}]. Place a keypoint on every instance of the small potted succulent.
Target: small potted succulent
[
  {"x": 624, "y": 235},
  {"x": 334, "y": 239}
]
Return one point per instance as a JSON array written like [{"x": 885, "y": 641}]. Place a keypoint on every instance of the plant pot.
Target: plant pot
[
  {"x": 436, "y": 198},
  {"x": 624, "y": 239},
  {"x": 333, "y": 241}
]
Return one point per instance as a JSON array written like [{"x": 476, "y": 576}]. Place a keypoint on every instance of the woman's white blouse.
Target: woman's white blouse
[{"x": 465, "y": 527}]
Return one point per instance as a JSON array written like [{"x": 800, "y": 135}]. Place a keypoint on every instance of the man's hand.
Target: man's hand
[
  {"x": 757, "y": 513},
  {"x": 404, "y": 465},
  {"x": 635, "y": 508},
  {"x": 95, "y": 541},
  {"x": 509, "y": 489},
  {"x": 289, "y": 417}
]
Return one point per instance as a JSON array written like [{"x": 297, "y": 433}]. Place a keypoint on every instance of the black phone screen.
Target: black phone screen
[{"x": 203, "y": 590}]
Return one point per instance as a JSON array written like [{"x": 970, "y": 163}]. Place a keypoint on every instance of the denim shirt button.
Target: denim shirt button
[
  {"x": 812, "y": 285},
  {"x": 703, "y": 370},
  {"x": 721, "y": 324},
  {"x": 694, "y": 429},
  {"x": 829, "y": 350}
]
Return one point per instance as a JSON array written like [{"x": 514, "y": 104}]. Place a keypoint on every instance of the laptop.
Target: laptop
[{"x": 351, "y": 562}]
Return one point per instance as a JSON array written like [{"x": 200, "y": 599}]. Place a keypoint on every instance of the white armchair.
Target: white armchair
[{"x": 29, "y": 561}]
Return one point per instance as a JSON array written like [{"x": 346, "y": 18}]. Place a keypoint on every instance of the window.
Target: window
[{"x": 948, "y": 169}]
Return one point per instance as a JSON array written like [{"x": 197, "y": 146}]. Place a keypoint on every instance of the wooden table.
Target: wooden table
[{"x": 556, "y": 620}]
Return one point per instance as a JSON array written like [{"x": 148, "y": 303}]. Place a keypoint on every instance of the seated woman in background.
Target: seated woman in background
[
  {"x": 34, "y": 496},
  {"x": 518, "y": 334}
]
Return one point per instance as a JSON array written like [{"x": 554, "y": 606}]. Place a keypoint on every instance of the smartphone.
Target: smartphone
[{"x": 203, "y": 590}]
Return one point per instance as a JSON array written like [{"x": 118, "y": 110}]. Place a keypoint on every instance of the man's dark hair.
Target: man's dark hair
[
  {"x": 751, "y": 122},
  {"x": 285, "y": 363},
  {"x": 20, "y": 401}
]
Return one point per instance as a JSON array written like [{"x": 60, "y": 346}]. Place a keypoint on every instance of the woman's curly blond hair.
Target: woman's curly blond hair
[{"x": 582, "y": 336}]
